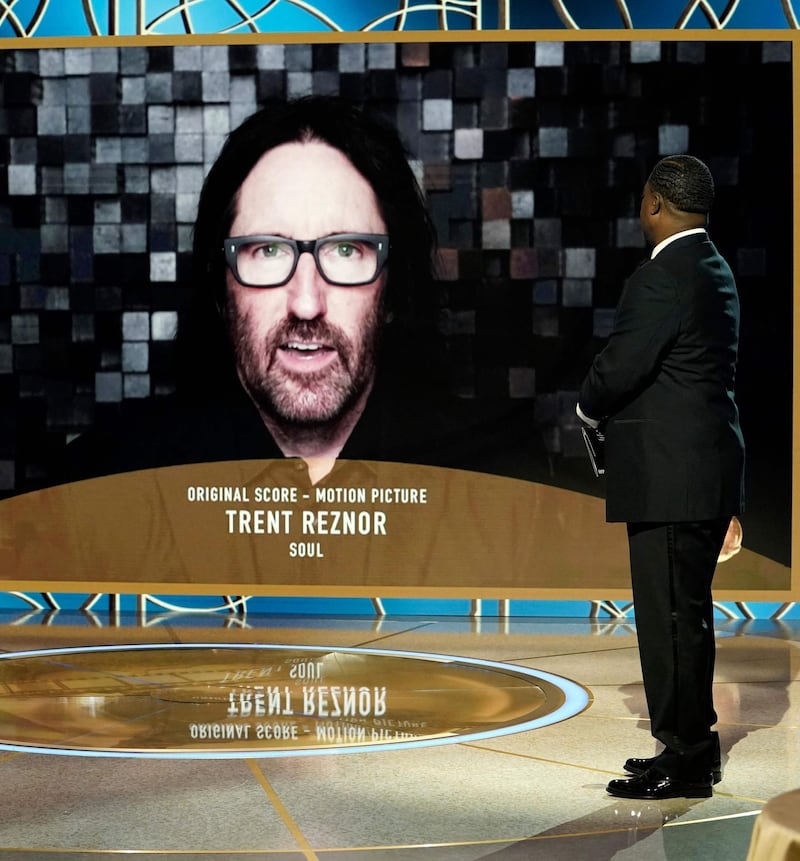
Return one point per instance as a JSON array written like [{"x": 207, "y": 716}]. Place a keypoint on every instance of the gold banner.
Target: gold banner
[{"x": 260, "y": 527}]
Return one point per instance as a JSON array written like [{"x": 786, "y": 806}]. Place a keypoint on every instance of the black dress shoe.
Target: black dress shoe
[
  {"x": 637, "y": 766},
  {"x": 653, "y": 786}
]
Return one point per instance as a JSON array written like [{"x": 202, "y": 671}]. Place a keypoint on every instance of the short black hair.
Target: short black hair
[
  {"x": 376, "y": 151},
  {"x": 684, "y": 181}
]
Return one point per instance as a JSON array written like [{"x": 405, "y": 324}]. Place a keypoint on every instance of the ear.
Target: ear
[{"x": 655, "y": 203}]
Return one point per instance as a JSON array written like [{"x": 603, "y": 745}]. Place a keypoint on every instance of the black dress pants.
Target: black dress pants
[{"x": 672, "y": 566}]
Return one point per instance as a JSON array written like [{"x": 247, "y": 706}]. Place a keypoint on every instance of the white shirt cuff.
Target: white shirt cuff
[{"x": 593, "y": 423}]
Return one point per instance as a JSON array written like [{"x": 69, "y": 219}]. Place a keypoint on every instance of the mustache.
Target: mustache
[{"x": 318, "y": 331}]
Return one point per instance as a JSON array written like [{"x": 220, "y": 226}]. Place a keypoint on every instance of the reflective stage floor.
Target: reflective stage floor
[{"x": 534, "y": 793}]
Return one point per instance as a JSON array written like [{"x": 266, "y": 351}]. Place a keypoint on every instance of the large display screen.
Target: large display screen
[{"x": 467, "y": 475}]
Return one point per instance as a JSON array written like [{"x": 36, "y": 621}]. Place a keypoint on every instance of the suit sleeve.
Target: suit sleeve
[{"x": 646, "y": 324}]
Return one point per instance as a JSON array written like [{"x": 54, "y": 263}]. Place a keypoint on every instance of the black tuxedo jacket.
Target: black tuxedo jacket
[{"x": 664, "y": 384}]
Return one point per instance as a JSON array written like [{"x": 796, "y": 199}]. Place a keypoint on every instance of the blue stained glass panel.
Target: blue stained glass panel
[
  {"x": 171, "y": 17},
  {"x": 640, "y": 14}
]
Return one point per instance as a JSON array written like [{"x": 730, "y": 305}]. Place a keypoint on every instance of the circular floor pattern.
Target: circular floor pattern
[{"x": 223, "y": 701}]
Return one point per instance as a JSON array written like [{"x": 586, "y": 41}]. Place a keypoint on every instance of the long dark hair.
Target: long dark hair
[{"x": 375, "y": 150}]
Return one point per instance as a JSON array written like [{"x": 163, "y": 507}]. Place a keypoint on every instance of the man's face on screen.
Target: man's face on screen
[{"x": 305, "y": 349}]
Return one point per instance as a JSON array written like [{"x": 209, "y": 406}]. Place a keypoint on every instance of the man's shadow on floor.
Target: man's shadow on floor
[{"x": 743, "y": 669}]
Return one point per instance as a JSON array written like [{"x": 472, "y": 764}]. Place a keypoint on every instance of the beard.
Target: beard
[{"x": 305, "y": 399}]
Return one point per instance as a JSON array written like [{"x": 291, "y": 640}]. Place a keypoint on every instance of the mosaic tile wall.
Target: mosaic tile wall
[{"x": 532, "y": 157}]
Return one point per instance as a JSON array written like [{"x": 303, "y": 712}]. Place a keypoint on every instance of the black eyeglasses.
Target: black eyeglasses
[{"x": 343, "y": 259}]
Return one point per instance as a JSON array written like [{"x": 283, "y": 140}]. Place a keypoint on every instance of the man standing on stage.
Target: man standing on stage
[{"x": 662, "y": 390}]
